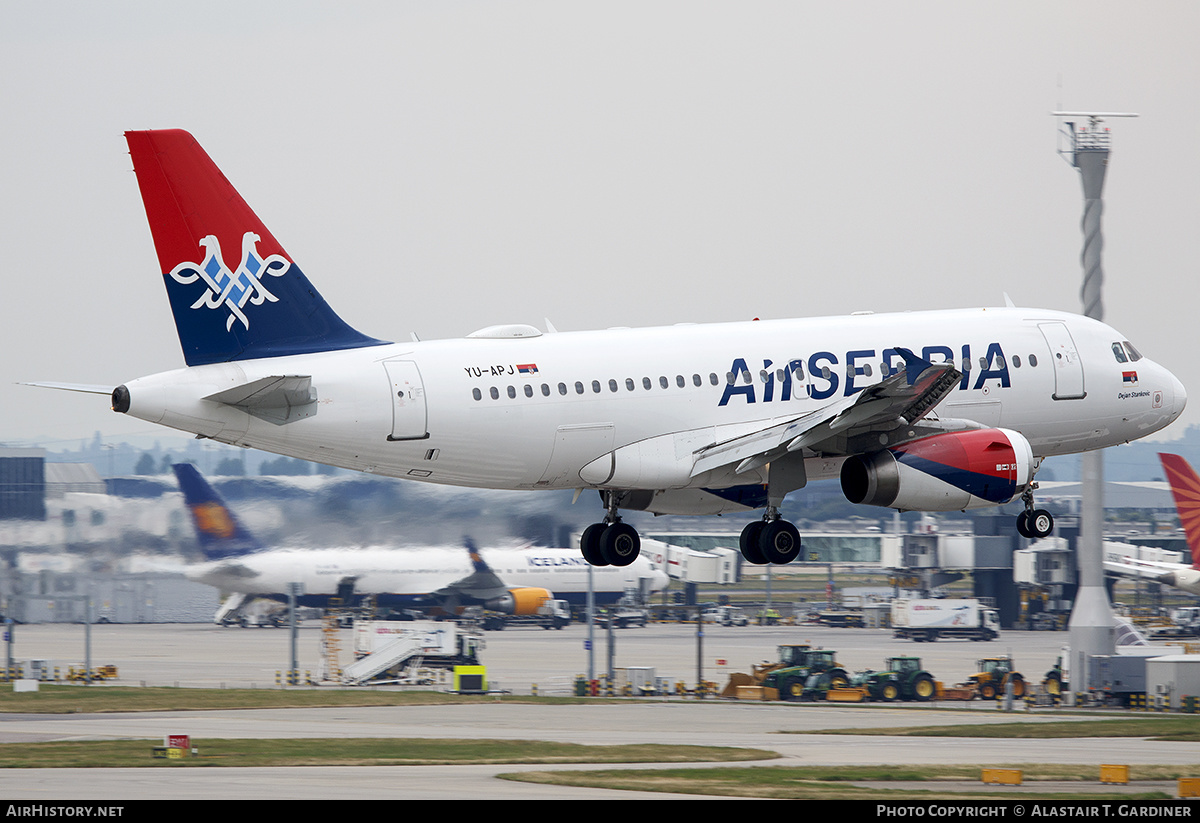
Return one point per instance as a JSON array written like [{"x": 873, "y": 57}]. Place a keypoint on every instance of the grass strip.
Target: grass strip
[
  {"x": 82, "y": 754},
  {"x": 1178, "y": 728},
  {"x": 70, "y": 699},
  {"x": 839, "y": 782}
]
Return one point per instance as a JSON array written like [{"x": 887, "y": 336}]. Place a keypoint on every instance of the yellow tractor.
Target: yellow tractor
[{"x": 993, "y": 676}]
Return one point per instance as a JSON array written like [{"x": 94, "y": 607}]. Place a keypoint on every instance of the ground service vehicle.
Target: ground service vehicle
[
  {"x": 802, "y": 668},
  {"x": 994, "y": 675},
  {"x": 551, "y": 614},
  {"x": 933, "y": 619},
  {"x": 904, "y": 679}
]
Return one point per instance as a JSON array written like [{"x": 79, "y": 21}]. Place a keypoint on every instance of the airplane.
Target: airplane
[
  {"x": 929, "y": 411},
  {"x": 444, "y": 579},
  {"x": 1185, "y": 488}
]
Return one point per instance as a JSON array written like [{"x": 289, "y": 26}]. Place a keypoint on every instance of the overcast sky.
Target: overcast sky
[{"x": 436, "y": 167}]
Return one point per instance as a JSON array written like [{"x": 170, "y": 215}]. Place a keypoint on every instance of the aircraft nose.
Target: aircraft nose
[{"x": 1178, "y": 399}]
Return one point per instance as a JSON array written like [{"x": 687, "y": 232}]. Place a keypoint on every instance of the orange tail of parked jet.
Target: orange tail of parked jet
[{"x": 1185, "y": 486}]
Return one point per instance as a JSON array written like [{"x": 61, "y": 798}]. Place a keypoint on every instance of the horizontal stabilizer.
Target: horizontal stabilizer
[
  {"x": 277, "y": 399},
  {"x": 79, "y": 387}
]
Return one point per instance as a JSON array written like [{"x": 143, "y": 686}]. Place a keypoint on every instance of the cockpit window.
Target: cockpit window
[
  {"x": 1119, "y": 353},
  {"x": 1134, "y": 354}
]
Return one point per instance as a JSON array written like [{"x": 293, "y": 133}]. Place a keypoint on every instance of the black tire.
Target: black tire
[
  {"x": 620, "y": 544},
  {"x": 589, "y": 544},
  {"x": 837, "y": 678},
  {"x": 988, "y": 691},
  {"x": 1018, "y": 683},
  {"x": 779, "y": 542},
  {"x": 890, "y": 691},
  {"x": 793, "y": 688},
  {"x": 1023, "y": 525},
  {"x": 749, "y": 544},
  {"x": 1052, "y": 685},
  {"x": 1041, "y": 523},
  {"x": 923, "y": 687}
]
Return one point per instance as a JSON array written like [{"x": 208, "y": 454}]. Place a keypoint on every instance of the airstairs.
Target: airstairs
[{"x": 394, "y": 653}]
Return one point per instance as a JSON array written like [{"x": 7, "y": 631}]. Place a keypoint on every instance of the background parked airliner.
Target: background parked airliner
[
  {"x": 439, "y": 578},
  {"x": 933, "y": 411},
  {"x": 1185, "y": 487}
]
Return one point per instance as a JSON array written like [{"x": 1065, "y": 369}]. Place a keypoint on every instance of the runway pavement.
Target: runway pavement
[{"x": 203, "y": 655}]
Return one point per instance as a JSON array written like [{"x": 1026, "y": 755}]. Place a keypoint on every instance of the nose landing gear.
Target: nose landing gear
[{"x": 1034, "y": 523}]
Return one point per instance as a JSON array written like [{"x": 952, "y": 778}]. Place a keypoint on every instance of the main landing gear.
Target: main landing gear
[
  {"x": 611, "y": 543},
  {"x": 1034, "y": 523},
  {"x": 770, "y": 540}
]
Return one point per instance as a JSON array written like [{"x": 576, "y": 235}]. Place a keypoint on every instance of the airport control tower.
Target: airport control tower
[{"x": 1092, "y": 627}]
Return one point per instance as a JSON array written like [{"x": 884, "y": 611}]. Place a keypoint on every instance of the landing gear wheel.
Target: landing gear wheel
[
  {"x": 1041, "y": 523},
  {"x": 589, "y": 544},
  {"x": 620, "y": 544},
  {"x": 751, "y": 549},
  {"x": 1023, "y": 526},
  {"x": 779, "y": 542}
]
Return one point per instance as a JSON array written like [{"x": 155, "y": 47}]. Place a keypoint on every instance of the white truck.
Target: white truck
[
  {"x": 932, "y": 619},
  {"x": 551, "y": 614}
]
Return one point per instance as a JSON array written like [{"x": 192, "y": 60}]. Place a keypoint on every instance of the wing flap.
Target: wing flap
[{"x": 901, "y": 399}]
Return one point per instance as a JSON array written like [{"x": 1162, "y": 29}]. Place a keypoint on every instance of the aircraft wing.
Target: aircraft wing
[{"x": 899, "y": 400}]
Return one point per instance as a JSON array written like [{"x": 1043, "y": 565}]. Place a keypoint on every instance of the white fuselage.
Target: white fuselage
[
  {"x": 628, "y": 408},
  {"x": 407, "y": 575}
]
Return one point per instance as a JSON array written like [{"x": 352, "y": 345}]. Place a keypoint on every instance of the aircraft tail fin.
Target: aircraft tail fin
[
  {"x": 234, "y": 292},
  {"x": 1185, "y": 487},
  {"x": 220, "y": 533}
]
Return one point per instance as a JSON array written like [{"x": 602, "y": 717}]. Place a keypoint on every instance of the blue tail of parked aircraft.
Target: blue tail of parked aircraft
[{"x": 220, "y": 533}]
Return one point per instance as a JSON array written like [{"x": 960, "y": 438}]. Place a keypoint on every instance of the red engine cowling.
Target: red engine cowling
[
  {"x": 519, "y": 601},
  {"x": 945, "y": 472}
]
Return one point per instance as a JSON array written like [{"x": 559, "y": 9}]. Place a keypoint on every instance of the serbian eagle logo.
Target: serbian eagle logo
[{"x": 232, "y": 289}]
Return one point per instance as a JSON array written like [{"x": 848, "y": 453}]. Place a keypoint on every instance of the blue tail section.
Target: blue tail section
[
  {"x": 220, "y": 533},
  {"x": 234, "y": 291}
]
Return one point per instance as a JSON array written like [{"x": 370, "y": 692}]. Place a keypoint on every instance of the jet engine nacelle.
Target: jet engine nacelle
[
  {"x": 945, "y": 472},
  {"x": 519, "y": 601}
]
